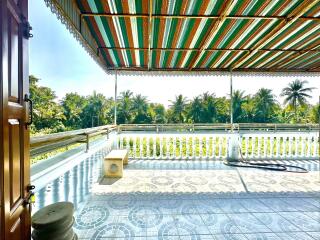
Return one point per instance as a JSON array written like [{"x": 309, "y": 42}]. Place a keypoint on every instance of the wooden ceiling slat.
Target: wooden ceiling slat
[{"x": 184, "y": 16}]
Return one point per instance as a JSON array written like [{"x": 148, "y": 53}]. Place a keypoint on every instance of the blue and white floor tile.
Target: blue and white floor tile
[{"x": 191, "y": 200}]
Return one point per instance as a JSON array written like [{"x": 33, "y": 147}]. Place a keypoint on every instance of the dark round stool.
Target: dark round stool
[{"x": 54, "y": 221}]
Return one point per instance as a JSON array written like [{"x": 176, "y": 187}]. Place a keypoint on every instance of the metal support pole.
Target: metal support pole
[
  {"x": 87, "y": 143},
  {"x": 319, "y": 135},
  {"x": 231, "y": 101},
  {"x": 115, "y": 97}
]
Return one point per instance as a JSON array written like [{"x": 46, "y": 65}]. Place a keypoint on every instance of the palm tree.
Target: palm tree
[
  {"x": 125, "y": 105},
  {"x": 209, "y": 103},
  {"x": 140, "y": 108},
  {"x": 179, "y": 108},
  {"x": 249, "y": 109},
  {"x": 296, "y": 94},
  {"x": 195, "y": 111},
  {"x": 264, "y": 104},
  {"x": 238, "y": 99}
]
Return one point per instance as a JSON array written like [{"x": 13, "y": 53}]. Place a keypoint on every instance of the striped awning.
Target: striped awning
[{"x": 197, "y": 35}]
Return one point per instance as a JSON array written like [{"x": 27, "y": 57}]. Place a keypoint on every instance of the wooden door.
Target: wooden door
[{"x": 14, "y": 134}]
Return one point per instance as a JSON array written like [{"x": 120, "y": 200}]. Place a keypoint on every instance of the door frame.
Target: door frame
[{"x": 10, "y": 110}]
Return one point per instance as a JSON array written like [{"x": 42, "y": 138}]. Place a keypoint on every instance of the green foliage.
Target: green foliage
[
  {"x": 75, "y": 111},
  {"x": 315, "y": 114},
  {"x": 47, "y": 113},
  {"x": 296, "y": 95},
  {"x": 96, "y": 111},
  {"x": 178, "y": 109},
  {"x": 73, "y": 105}
]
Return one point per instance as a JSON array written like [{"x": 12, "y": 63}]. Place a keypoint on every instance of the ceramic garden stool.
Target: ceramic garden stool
[
  {"x": 114, "y": 161},
  {"x": 54, "y": 221}
]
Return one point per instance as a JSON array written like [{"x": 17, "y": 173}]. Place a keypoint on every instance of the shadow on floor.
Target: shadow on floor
[{"x": 108, "y": 181}]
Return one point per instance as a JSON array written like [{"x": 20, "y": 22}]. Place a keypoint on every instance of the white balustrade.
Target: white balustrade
[{"x": 253, "y": 145}]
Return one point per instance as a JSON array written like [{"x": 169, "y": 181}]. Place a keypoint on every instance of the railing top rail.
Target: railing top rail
[
  {"x": 225, "y": 126},
  {"x": 35, "y": 140}
]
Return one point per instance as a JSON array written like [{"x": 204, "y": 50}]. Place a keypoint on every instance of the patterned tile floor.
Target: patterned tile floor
[{"x": 201, "y": 200}]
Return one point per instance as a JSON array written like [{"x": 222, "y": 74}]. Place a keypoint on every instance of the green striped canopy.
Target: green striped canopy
[{"x": 197, "y": 35}]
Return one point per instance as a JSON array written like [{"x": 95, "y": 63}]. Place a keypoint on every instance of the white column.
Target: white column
[
  {"x": 115, "y": 97},
  {"x": 231, "y": 100}
]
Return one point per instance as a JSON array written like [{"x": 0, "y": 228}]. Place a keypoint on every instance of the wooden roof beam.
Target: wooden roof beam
[
  {"x": 315, "y": 48},
  {"x": 211, "y": 49},
  {"x": 163, "y": 16},
  {"x": 316, "y": 68},
  {"x": 274, "y": 32},
  {"x": 214, "y": 30}
]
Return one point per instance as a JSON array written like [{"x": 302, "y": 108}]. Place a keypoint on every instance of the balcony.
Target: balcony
[{"x": 177, "y": 187}]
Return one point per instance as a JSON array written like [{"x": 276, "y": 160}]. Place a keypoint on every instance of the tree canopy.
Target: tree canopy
[{"x": 75, "y": 111}]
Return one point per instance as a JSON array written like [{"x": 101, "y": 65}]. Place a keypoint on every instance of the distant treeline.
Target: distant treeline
[{"x": 75, "y": 111}]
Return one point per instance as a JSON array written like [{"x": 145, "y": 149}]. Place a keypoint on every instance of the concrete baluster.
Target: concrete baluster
[
  {"x": 154, "y": 148},
  {"x": 290, "y": 147},
  {"x": 134, "y": 155},
  {"x": 271, "y": 146},
  {"x": 309, "y": 146},
  {"x": 193, "y": 147},
  {"x": 174, "y": 149},
  {"x": 161, "y": 147},
  {"x": 187, "y": 147},
  {"x": 148, "y": 147},
  {"x": 220, "y": 146},
  {"x": 200, "y": 147},
  {"x": 141, "y": 147},
  {"x": 121, "y": 141},
  {"x": 253, "y": 147},
  {"x": 247, "y": 147}
]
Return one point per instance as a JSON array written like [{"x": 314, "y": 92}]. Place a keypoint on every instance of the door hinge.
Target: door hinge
[{"x": 27, "y": 29}]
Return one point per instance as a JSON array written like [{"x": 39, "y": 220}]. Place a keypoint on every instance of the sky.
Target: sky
[{"x": 64, "y": 66}]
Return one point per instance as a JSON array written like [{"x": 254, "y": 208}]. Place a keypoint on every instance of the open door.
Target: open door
[{"x": 14, "y": 117}]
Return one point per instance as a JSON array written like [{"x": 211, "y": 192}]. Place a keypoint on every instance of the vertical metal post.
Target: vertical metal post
[
  {"x": 231, "y": 101},
  {"x": 87, "y": 142},
  {"x": 115, "y": 97}
]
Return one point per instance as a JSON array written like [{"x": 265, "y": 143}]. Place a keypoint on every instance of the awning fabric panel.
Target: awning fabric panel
[{"x": 197, "y": 35}]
